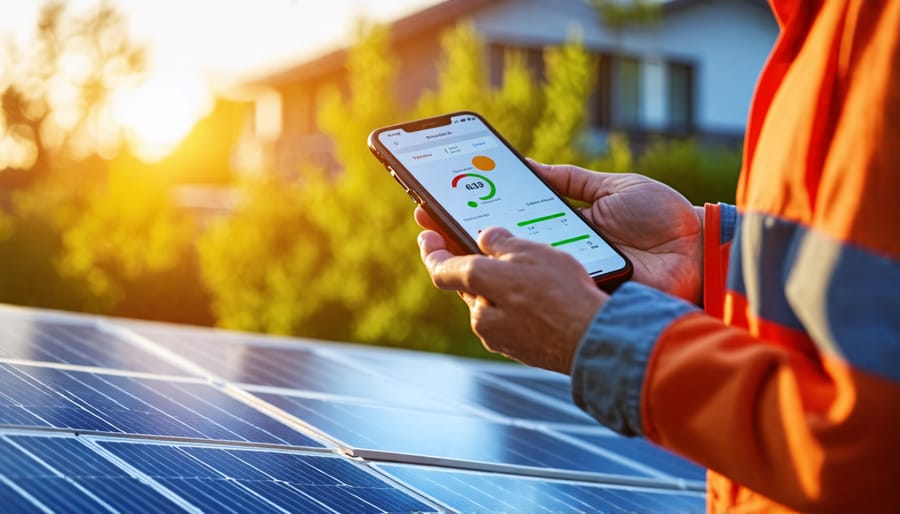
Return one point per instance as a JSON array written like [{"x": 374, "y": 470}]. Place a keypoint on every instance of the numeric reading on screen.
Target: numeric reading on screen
[{"x": 481, "y": 183}]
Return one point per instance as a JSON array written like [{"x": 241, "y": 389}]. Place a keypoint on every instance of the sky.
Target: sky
[
  {"x": 229, "y": 39},
  {"x": 199, "y": 48}
]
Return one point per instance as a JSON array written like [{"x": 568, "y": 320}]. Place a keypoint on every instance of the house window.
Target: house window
[
  {"x": 615, "y": 103},
  {"x": 681, "y": 97},
  {"x": 601, "y": 100},
  {"x": 534, "y": 61},
  {"x": 627, "y": 93}
]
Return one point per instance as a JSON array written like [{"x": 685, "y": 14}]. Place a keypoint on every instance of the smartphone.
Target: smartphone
[{"x": 468, "y": 178}]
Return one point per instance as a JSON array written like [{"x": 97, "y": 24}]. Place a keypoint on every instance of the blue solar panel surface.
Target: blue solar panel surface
[
  {"x": 642, "y": 451},
  {"x": 445, "y": 436},
  {"x": 48, "y": 397},
  {"x": 122, "y": 416},
  {"x": 468, "y": 491},
  {"x": 79, "y": 343},
  {"x": 245, "y": 480}
]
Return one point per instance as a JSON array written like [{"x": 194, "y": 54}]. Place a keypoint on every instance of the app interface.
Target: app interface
[{"x": 482, "y": 184}]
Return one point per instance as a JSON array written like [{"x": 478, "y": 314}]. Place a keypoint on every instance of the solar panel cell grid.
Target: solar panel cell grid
[
  {"x": 641, "y": 450},
  {"x": 64, "y": 475},
  {"x": 299, "y": 368},
  {"x": 295, "y": 482},
  {"x": 467, "y": 491},
  {"x": 75, "y": 343},
  {"x": 117, "y": 404},
  {"x": 445, "y": 436},
  {"x": 381, "y": 404},
  {"x": 449, "y": 381}
]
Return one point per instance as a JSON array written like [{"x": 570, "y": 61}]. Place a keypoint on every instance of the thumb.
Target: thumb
[
  {"x": 574, "y": 181},
  {"x": 496, "y": 241}
]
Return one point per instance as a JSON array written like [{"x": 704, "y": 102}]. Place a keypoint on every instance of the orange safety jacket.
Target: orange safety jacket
[{"x": 787, "y": 387}]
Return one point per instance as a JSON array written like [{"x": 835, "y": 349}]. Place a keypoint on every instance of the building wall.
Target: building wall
[
  {"x": 724, "y": 43},
  {"x": 727, "y": 42}
]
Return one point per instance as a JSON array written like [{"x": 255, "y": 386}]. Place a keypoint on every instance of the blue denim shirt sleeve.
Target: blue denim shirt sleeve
[
  {"x": 729, "y": 218},
  {"x": 611, "y": 360}
]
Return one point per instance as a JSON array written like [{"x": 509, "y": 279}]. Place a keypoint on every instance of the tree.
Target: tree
[
  {"x": 86, "y": 226},
  {"x": 618, "y": 13},
  {"x": 333, "y": 256},
  {"x": 56, "y": 100}
]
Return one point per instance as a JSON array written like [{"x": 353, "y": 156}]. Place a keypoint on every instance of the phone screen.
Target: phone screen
[{"x": 482, "y": 183}]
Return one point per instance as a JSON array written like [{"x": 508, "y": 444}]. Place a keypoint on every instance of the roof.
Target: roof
[
  {"x": 419, "y": 22},
  {"x": 427, "y": 21}
]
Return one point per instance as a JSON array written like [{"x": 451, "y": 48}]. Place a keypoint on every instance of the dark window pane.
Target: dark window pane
[{"x": 681, "y": 97}]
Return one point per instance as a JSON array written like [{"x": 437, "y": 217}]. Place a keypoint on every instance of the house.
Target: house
[{"x": 692, "y": 71}]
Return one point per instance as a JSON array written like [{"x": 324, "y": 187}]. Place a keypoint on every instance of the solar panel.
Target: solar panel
[
  {"x": 442, "y": 437},
  {"x": 63, "y": 475},
  {"x": 451, "y": 381},
  {"x": 78, "y": 341},
  {"x": 473, "y": 491},
  {"x": 113, "y": 415},
  {"x": 249, "y": 480},
  {"x": 249, "y": 360},
  {"x": 640, "y": 450},
  {"x": 49, "y": 397}
]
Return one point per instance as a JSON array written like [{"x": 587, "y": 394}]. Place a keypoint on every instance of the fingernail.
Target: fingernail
[{"x": 492, "y": 235}]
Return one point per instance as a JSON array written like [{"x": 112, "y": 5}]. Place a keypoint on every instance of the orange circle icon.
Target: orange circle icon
[{"x": 483, "y": 163}]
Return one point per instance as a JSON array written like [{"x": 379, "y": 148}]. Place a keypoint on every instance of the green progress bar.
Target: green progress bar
[
  {"x": 542, "y": 218},
  {"x": 570, "y": 240}
]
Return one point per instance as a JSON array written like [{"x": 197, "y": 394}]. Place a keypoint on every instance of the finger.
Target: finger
[
  {"x": 430, "y": 241},
  {"x": 424, "y": 220},
  {"x": 496, "y": 242},
  {"x": 447, "y": 270},
  {"x": 576, "y": 182},
  {"x": 469, "y": 298},
  {"x": 485, "y": 320}
]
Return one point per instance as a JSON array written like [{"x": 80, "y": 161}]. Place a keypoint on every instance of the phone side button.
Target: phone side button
[
  {"x": 393, "y": 174},
  {"x": 414, "y": 196}
]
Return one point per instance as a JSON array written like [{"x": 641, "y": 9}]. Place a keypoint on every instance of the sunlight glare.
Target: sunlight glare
[{"x": 160, "y": 112}]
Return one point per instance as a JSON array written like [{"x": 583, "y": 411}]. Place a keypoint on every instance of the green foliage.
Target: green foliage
[
  {"x": 544, "y": 121},
  {"x": 618, "y": 157},
  {"x": 29, "y": 245},
  {"x": 515, "y": 107},
  {"x": 334, "y": 256},
  {"x": 617, "y": 13},
  {"x": 77, "y": 231},
  {"x": 461, "y": 75},
  {"x": 569, "y": 81},
  {"x": 128, "y": 229},
  {"x": 264, "y": 263},
  {"x": 700, "y": 174}
]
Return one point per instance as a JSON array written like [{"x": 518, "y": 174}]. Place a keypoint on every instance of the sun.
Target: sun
[{"x": 157, "y": 114}]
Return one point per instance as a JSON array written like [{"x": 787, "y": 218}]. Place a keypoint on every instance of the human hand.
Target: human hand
[
  {"x": 526, "y": 300},
  {"x": 654, "y": 225}
]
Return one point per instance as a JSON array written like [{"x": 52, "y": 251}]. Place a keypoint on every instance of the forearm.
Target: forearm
[{"x": 771, "y": 417}]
